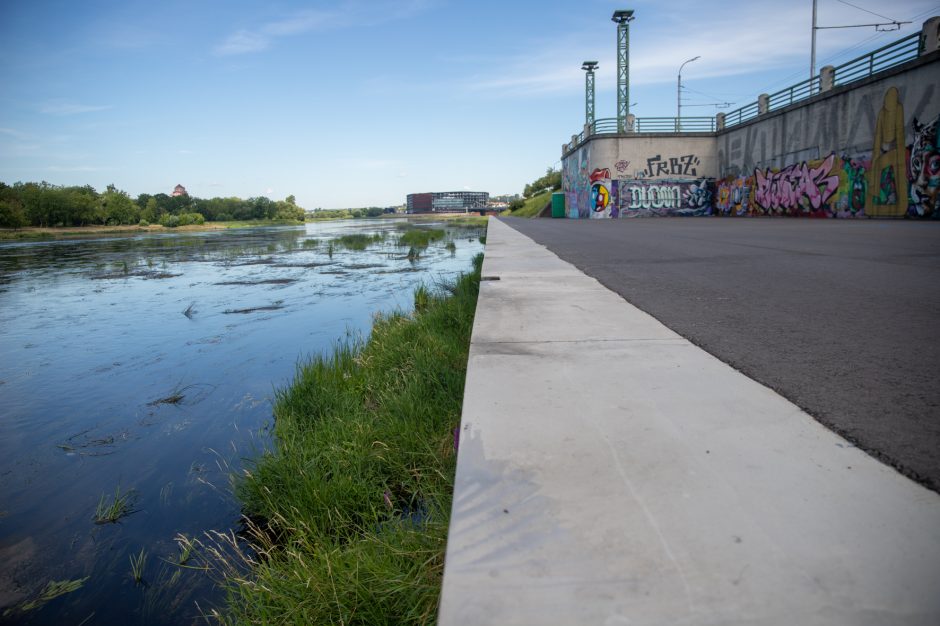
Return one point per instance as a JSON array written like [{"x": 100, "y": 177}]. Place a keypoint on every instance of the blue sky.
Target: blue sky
[{"x": 357, "y": 103}]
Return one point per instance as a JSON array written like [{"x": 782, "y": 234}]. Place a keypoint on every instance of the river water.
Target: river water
[{"x": 147, "y": 364}]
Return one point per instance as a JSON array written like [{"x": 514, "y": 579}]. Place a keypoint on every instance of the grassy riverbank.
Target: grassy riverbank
[
  {"x": 71, "y": 232},
  {"x": 351, "y": 507},
  {"x": 532, "y": 206}
]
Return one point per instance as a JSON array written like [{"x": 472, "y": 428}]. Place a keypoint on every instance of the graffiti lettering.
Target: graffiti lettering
[
  {"x": 622, "y": 166},
  {"x": 796, "y": 189},
  {"x": 673, "y": 166},
  {"x": 659, "y": 198}
]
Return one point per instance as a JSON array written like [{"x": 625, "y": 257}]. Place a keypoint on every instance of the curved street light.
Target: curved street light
[{"x": 679, "y": 89}]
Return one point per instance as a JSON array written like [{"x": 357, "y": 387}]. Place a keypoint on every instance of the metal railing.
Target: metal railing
[
  {"x": 878, "y": 60},
  {"x": 795, "y": 93},
  {"x": 739, "y": 116}
]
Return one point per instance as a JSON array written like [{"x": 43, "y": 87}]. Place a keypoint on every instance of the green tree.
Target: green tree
[{"x": 118, "y": 207}]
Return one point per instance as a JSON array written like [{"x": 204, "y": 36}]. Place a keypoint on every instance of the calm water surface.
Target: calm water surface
[{"x": 96, "y": 335}]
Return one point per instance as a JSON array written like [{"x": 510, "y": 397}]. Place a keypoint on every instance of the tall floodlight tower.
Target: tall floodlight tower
[
  {"x": 623, "y": 19},
  {"x": 589, "y": 67}
]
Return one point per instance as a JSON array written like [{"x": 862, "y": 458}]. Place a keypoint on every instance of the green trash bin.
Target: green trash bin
[{"x": 558, "y": 204}]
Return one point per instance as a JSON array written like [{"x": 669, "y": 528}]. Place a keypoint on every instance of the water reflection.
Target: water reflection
[{"x": 147, "y": 364}]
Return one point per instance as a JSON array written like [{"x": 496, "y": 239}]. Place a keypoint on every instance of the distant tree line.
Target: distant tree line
[
  {"x": 327, "y": 214},
  {"x": 44, "y": 204}
]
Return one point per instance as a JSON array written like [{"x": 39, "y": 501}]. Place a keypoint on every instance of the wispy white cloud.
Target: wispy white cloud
[
  {"x": 348, "y": 14},
  {"x": 71, "y": 108}
]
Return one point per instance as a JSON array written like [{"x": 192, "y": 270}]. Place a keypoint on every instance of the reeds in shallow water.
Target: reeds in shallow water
[{"x": 121, "y": 506}]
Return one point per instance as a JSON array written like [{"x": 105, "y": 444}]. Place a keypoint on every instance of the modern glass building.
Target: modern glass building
[{"x": 447, "y": 201}]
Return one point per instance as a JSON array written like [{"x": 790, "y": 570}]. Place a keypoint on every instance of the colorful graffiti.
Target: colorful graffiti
[
  {"x": 924, "y": 170},
  {"x": 600, "y": 193},
  {"x": 734, "y": 196},
  {"x": 576, "y": 182},
  {"x": 798, "y": 189},
  {"x": 886, "y": 197},
  {"x": 830, "y": 187},
  {"x": 643, "y": 198},
  {"x": 896, "y": 179}
]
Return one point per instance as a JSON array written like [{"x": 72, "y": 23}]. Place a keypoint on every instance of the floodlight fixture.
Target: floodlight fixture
[{"x": 623, "y": 15}]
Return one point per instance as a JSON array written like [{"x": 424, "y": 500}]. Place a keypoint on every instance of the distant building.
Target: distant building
[
  {"x": 447, "y": 201},
  {"x": 179, "y": 190}
]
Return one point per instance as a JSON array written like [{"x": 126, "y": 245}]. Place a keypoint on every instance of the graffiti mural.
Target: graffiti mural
[
  {"x": 924, "y": 170},
  {"x": 887, "y": 191},
  {"x": 644, "y": 198},
  {"x": 600, "y": 193},
  {"x": 798, "y": 189},
  {"x": 576, "y": 183},
  {"x": 830, "y": 187},
  {"x": 734, "y": 196}
]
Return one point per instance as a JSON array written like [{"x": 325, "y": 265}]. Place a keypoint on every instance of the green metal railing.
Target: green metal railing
[
  {"x": 674, "y": 125},
  {"x": 741, "y": 115},
  {"x": 879, "y": 60},
  {"x": 795, "y": 93}
]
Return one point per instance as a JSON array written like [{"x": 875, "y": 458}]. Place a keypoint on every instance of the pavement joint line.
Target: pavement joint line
[{"x": 676, "y": 340}]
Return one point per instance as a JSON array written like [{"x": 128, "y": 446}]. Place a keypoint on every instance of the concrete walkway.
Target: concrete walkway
[{"x": 610, "y": 472}]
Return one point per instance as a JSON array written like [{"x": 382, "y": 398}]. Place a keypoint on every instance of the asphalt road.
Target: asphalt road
[{"x": 841, "y": 317}]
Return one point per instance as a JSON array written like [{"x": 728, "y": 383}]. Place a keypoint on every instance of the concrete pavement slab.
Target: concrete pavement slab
[{"x": 621, "y": 475}]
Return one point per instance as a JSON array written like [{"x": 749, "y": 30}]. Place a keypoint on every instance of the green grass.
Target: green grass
[
  {"x": 358, "y": 241},
  {"x": 255, "y": 223},
  {"x": 53, "y": 590},
  {"x": 138, "y": 563},
  {"x": 348, "y": 514},
  {"x": 420, "y": 237},
  {"x": 120, "y": 506},
  {"x": 532, "y": 206}
]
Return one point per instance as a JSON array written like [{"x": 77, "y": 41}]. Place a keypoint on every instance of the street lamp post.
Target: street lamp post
[
  {"x": 679, "y": 94},
  {"x": 589, "y": 67},
  {"x": 623, "y": 19}
]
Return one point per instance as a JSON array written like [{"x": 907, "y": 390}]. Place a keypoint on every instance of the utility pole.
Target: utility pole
[{"x": 623, "y": 19}]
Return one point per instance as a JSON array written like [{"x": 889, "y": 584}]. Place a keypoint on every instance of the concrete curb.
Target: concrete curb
[{"x": 610, "y": 472}]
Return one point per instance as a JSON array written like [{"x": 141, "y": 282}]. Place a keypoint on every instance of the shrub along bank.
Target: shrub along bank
[{"x": 351, "y": 508}]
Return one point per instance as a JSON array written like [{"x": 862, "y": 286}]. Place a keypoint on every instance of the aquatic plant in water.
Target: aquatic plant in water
[
  {"x": 138, "y": 563},
  {"x": 120, "y": 506},
  {"x": 53, "y": 590}
]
